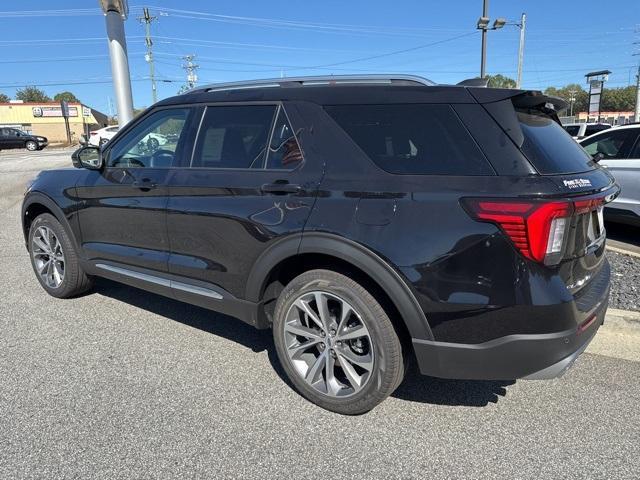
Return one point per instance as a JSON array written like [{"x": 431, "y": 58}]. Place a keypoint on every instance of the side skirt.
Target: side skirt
[{"x": 194, "y": 292}]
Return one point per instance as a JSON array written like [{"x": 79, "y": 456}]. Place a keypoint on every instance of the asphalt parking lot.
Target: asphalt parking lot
[{"x": 126, "y": 384}]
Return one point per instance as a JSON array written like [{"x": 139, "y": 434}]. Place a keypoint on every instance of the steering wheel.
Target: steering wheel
[{"x": 162, "y": 158}]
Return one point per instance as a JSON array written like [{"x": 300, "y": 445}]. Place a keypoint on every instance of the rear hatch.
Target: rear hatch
[{"x": 562, "y": 227}]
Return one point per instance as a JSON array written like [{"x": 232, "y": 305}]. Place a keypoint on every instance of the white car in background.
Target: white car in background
[
  {"x": 618, "y": 150},
  {"x": 99, "y": 137},
  {"x": 581, "y": 130},
  {"x": 102, "y": 136}
]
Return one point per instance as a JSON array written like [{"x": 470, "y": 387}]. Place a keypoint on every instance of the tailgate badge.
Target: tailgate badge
[{"x": 577, "y": 183}]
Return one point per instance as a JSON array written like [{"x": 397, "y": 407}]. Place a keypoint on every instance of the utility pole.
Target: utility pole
[
  {"x": 523, "y": 19},
  {"x": 147, "y": 19},
  {"x": 483, "y": 53},
  {"x": 636, "y": 115},
  {"x": 572, "y": 99},
  {"x": 115, "y": 12},
  {"x": 190, "y": 67}
]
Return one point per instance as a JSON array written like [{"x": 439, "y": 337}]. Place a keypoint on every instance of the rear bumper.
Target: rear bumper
[{"x": 535, "y": 356}]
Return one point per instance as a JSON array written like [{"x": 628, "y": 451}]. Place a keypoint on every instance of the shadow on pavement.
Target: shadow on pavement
[
  {"x": 623, "y": 233},
  {"x": 415, "y": 387}
]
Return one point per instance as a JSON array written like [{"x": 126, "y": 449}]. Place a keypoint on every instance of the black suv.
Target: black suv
[
  {"x": 369, "y": 221},
  {"x": 14, "y": 138}
]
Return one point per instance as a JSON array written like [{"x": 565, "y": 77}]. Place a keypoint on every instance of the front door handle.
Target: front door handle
[
  {"x": 145, "y": 184},
  {"x": 280, "y": 188}
]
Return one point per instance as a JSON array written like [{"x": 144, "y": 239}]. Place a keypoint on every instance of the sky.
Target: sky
[{"x": 62, "y": 45}]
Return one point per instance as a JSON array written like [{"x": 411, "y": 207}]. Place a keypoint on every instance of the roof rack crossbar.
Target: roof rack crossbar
[{"x": 375, "y": 79}]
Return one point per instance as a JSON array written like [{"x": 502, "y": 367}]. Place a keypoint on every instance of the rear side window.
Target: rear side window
[
  {"x": 549, "y": 148},
  {"x": 234, "y": 137},
  {"x": 418, "y": 139}
]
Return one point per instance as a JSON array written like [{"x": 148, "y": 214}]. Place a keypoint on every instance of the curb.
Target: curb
[
  {"x": 622, "y": 319},
  {"x": 623, "y": 251}
]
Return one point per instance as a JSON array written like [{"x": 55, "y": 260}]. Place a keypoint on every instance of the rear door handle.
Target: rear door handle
[
  {"x": 280, "y": 188},
  {"x": 145, "y": 184}
]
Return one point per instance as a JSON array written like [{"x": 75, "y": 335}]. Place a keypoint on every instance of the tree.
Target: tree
[
  {"x": 4, "y": 98},
  {"x": 32, "y": 94},
  {"x": 66, "y": 96},
  {"x": 621, "y": 99},
  {"x": 573, "y": 90},
  {"x": 500, "y": 81}
]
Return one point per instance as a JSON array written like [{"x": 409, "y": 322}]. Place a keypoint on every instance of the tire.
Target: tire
[
  {"x": 63, "y": 259},
  {"x": 31, "y": 146},
  {"x": 362, "y": 352},
  {"x": 102, "y": 141}
]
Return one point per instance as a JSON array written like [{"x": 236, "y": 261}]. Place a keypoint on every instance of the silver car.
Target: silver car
[{"x": 618, "y": 149}]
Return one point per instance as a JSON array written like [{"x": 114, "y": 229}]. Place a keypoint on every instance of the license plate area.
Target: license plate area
[{"x": 595, "y": 226}]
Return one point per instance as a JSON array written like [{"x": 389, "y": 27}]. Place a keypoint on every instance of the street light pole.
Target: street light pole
[
  {"x": 115, "y": 12},
  {"x": 483, "y": 54},
  {"x": 523, "y": 19}
]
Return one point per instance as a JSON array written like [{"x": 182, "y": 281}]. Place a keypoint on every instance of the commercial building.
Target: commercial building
[
  {"x": 46, "y": 119},
  {"x": 612, "y": 118}
]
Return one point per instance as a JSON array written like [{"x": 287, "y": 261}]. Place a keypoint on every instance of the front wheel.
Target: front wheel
[
  {"x": 336, "y": 343},
  {"x": 54, "y": 259},
  {"x": 31, "y": 146}
]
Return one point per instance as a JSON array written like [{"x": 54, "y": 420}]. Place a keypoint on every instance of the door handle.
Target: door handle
[
  {"x": 145, "y": 184},
  {"x": 280, "y": 188}
]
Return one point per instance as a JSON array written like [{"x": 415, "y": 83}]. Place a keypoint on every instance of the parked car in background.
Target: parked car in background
[
  {"x": 618, "y": 150},
  {"x": 582, "y": 130},
  {"x": 103, "y": 135},
  {"x": 368, "y": 221},
  {"x": 14, "y": 138},
  {"x": 152, "y": 141}
]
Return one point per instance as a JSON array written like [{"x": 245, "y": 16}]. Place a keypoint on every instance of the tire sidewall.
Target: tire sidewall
[
  {"x": 47, "y": 220},
  {"x": 355, "y": 403}
]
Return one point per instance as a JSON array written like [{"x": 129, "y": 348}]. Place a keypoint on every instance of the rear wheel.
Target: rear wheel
[
  {"x": 336, "y": 343},
  {"x": 31, "y": 145},
  {"x": 54, "y": 259}
]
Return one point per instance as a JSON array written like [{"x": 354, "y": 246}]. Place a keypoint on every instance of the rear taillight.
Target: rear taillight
[
  {"x": 93, "y": 133},
  {"x": 537, "y": 228}
]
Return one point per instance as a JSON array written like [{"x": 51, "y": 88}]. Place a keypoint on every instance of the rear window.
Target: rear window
[
  {"x": 572, "y": 130},
  {"x": 413, "y": 139},
  {"x": 549, "y": 148}
]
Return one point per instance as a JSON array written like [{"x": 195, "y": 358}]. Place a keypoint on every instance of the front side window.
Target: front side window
[
  {"x": 416, "y": 139},
  {"x": 234, "y": 136},
  {"x": 152, "y": 142},
  {"x": 612, "y": 145}
]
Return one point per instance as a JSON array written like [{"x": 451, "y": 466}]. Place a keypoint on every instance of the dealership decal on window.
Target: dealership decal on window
[{"x": 577, "y": 183}]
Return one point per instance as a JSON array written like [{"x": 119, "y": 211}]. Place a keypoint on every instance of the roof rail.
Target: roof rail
[
  {"x": 373, "y": 79},
  {"x": 474, "y": 82}
]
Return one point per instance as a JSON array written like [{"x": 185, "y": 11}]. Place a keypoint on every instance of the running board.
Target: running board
[
  {"x": 191, "y": 291},
  {"x": 165, "y": 282}
]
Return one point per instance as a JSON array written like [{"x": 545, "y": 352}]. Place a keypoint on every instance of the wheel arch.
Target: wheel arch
[
  {"x": 36, "y": 204},
  {"x": 325, "y": 250}
]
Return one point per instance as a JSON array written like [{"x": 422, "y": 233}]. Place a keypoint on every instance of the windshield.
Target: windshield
[{"x": 548, "y": 146}]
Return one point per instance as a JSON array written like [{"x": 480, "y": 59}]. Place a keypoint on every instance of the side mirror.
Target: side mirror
[
  {"x": 597, "y": 157},
  {"x": 88, "y": 157}
]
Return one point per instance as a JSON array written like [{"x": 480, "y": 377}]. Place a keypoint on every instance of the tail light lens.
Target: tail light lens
[
  {"x": 537, "y": 228},
  {"x": 93, "y": 133}
]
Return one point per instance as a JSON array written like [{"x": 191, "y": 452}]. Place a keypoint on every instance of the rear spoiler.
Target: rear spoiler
[{"x": 502, "y": 104}]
